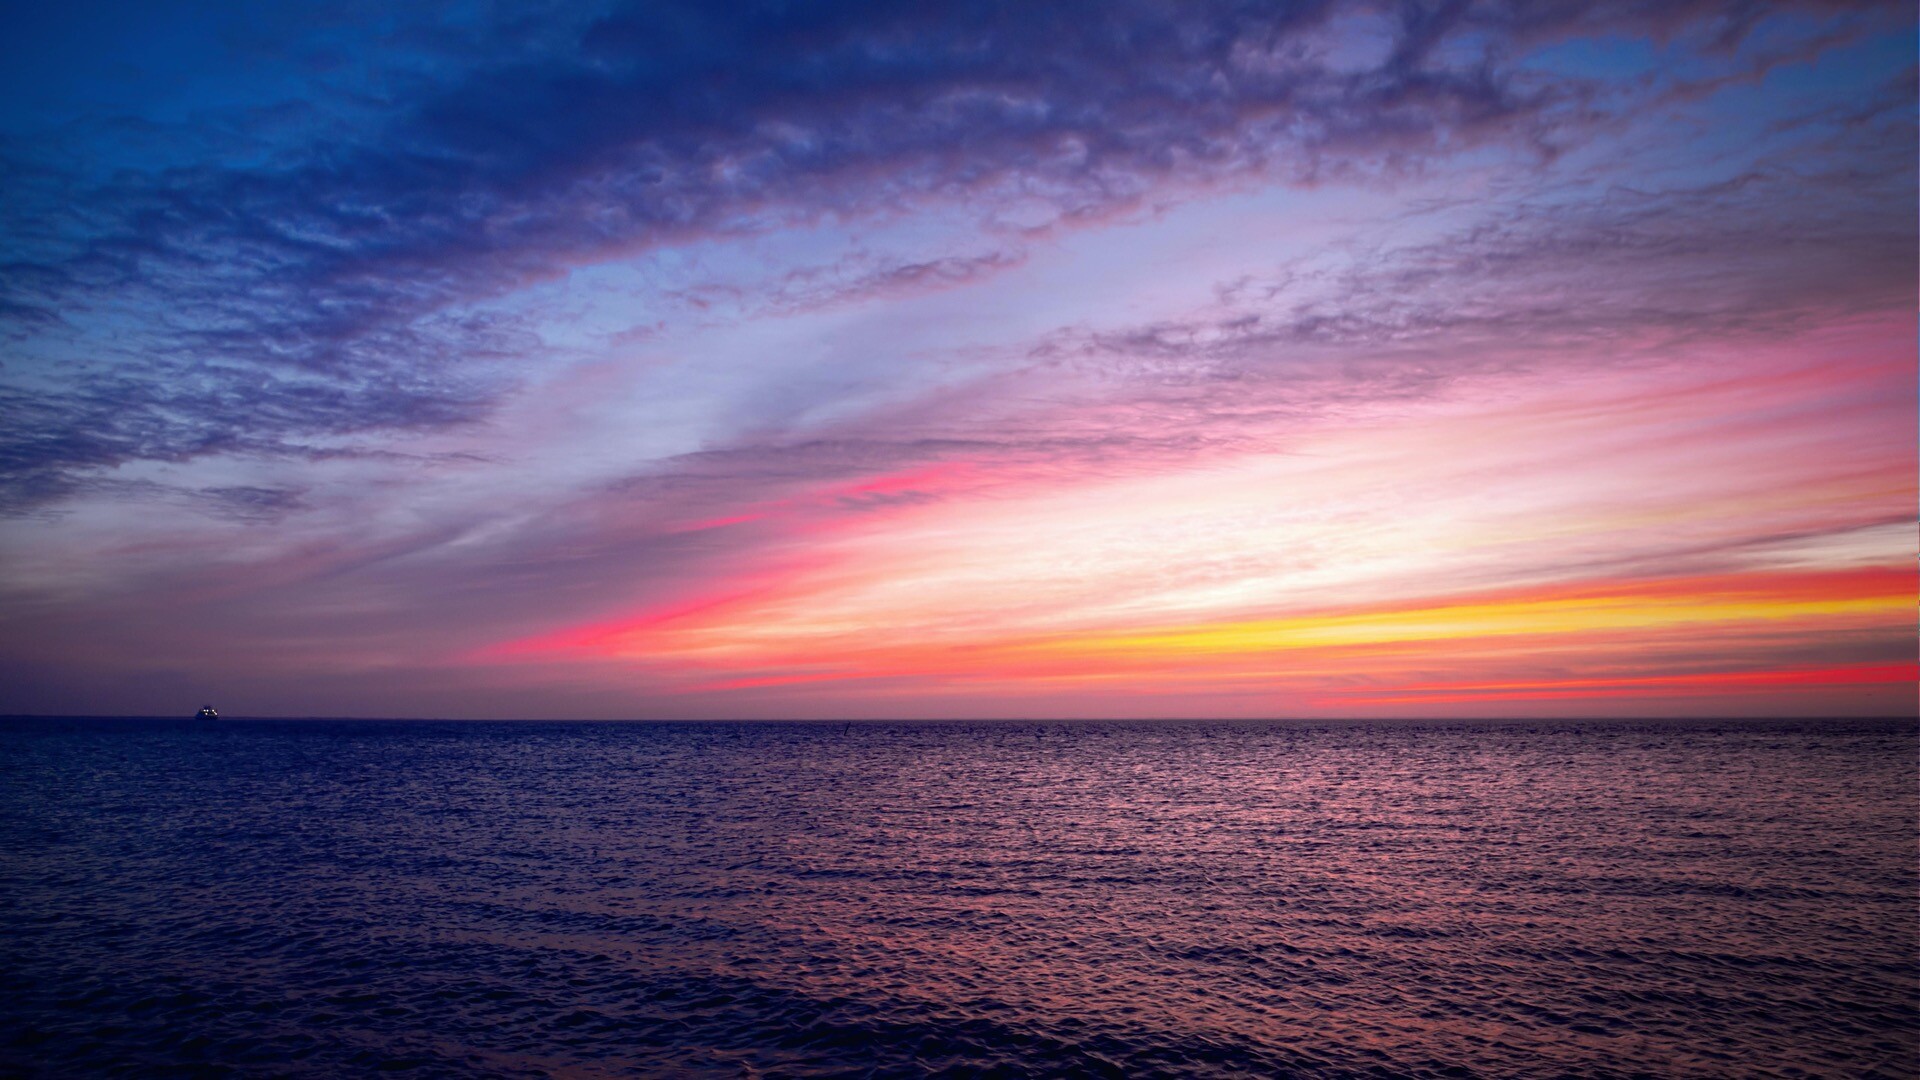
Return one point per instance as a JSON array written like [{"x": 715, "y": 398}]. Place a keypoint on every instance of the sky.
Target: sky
[{"x": 971, "y": 359}]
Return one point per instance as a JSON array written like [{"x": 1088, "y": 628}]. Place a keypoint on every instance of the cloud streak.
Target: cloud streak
[
  {"x": 840, "y": 320},
  {"x": 327, "y": 289}
]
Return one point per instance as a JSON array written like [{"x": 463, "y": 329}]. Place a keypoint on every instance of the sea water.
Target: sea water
[{"x": 328, "y": 898}]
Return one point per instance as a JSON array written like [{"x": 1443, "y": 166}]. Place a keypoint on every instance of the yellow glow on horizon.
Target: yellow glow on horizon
[{"x": 1444, "y": 622}]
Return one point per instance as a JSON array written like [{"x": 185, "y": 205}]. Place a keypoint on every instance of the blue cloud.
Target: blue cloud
[{"x": 226, "y": 233}]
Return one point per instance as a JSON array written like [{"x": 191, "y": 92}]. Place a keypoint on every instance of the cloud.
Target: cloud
[
  {"x": 908, "y": 286},
  {"x": 1784, "y": 245},
  {"x": 250, "y": 503},
  {"x": 860, "y": 277},
  {"x": 331, "y": 286},
  {"x": 55, "y": 442}
]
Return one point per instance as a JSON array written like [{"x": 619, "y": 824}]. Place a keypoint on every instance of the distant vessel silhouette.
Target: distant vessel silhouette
[{"x": 207, "y": 712}]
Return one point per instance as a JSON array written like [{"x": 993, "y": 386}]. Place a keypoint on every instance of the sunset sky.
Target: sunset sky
[{"x": 930, "y": 359}]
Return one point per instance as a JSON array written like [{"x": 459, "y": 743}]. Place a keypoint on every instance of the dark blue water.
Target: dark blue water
[{"x": 338, "y": 898}]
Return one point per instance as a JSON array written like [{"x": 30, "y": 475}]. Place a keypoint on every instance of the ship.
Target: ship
[{"x": 207, "y": 712}]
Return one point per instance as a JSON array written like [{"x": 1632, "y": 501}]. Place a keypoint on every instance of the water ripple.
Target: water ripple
[{"x": 1206, "y": 899}]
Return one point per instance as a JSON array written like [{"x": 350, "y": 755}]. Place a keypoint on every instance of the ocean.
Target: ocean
[{"x": 332, "y": 898}]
